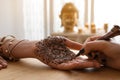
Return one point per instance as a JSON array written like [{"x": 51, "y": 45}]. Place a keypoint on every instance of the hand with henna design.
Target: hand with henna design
[{"x": 53, "y": 51}]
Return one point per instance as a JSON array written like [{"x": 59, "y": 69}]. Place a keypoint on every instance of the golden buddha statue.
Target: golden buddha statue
[{"x": 69, "y": 17}]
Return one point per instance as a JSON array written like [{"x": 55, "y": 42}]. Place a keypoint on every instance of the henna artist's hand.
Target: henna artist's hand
[{"x": 109, "y": 49}]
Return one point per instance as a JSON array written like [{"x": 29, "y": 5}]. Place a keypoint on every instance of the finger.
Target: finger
[
  {"x": 85, "y": 63},
  {"x": 79, "y": 64},
  {"x": 95, "y": 46},
  {"x": 3, "y": 59},
  {"x": 92, "y": 38},
  {"x": 91, "y": 63},
  {"x": 73, "y": 45},
  {"x": 3, "y": 62},
  {"x": 0, "y": 66}
]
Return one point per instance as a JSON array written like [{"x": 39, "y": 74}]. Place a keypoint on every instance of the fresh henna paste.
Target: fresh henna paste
[{"x": 53, "y": 50}]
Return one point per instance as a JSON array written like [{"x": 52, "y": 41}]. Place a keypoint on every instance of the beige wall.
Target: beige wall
[{"x": 11, "y": 18}]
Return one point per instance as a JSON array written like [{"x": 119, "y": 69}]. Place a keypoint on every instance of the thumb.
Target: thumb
[{"x": 98, "y": 45}]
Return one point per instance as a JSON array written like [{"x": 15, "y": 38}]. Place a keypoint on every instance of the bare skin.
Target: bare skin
[
  {"x": 109, "y": 49},
  {"x": 3, "y": 63},
  {"x": 26, "y": 49}
]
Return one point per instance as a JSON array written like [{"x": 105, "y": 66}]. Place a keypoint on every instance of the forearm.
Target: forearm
[
  {"x": 25, "y": 49},
  {"x": 18, "y": 48}
]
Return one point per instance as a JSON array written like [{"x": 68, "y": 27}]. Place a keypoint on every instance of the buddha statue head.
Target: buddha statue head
[{"x": 69, "y": 17}]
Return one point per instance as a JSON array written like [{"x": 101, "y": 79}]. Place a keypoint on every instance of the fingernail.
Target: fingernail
[{"x": 5, "y": 64}]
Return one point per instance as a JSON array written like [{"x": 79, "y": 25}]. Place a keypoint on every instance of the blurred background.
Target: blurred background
[{"x": 37, "y": 19}]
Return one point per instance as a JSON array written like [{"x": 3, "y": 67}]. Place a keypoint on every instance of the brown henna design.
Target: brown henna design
[{"x": 53, "y": 50}]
